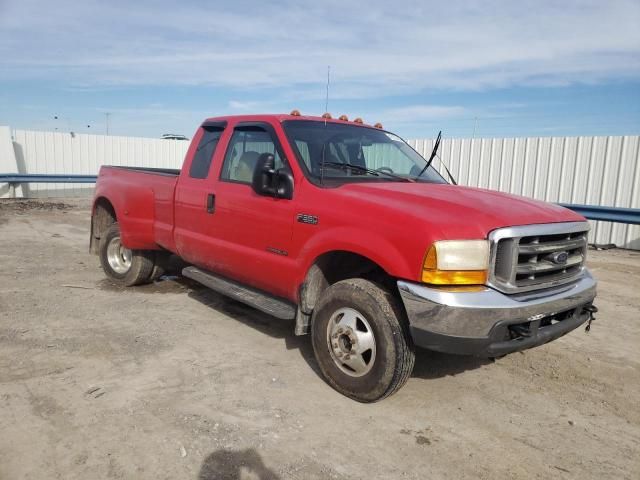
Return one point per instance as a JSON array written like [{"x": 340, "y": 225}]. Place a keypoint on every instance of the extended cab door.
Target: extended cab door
[
  {"x": 253, "y": 232},
  {"x": 195, "y": 198}
]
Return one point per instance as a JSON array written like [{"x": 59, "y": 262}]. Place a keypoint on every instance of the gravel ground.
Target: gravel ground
[{"x": 171, "y": 381}]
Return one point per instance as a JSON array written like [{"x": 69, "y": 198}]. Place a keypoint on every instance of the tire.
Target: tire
[
  {"x": 126, "y": 267},
  {"x": 160, "y": 265},
  {"x": 374, "y": 326}
]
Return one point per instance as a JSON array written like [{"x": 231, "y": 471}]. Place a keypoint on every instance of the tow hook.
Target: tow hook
[
  {"x": 521, "y": 330},
  {"x": 592, "y": 309}
]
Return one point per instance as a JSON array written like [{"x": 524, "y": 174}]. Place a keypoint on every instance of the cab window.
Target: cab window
[
  {"x": 350, "y": 153},
  {"x": 245, "y": 146},
  {"x": 204, "y": 153}
]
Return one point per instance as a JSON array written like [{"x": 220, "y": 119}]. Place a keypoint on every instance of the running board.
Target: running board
[{"x": 255, "y": 298}]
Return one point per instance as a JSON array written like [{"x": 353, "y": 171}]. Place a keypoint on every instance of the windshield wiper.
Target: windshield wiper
[
  {"x": 433, "y": 155},
  {"x": 358, "y": 168},
  {"x": 453, "y": 180}
]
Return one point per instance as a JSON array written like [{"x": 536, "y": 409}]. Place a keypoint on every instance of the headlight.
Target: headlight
[{"x": 456, "y": 262}]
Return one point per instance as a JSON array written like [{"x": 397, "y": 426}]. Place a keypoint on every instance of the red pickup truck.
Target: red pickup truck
[{"x": 347, "y": 231}]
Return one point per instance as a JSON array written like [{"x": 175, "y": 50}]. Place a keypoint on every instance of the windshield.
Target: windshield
[{"x": 355, "y": 153}]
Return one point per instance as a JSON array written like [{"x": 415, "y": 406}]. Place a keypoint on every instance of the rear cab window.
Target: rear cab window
[{"x": 201, "y": 163}]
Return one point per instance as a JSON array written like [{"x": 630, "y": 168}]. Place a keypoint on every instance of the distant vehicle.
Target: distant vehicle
[
  {"x": 173, "y": 136},
  {"x": 348, "y": 232}
]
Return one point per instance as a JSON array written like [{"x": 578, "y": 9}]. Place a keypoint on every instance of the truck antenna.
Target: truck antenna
[
  {"x": 326, "y": 101},
  {"x": 326, "y": 110}
]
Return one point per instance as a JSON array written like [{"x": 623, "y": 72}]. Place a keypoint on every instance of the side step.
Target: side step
[{"x": 255, "y": 298}]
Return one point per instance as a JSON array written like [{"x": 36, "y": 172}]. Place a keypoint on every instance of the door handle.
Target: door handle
[{"x": 211, "y": 203}]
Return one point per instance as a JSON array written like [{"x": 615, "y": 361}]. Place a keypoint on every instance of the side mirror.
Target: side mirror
[{"x": 270, "y": 182}]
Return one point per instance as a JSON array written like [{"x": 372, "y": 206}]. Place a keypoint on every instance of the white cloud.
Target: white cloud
[
  {"x": 375, "y": 49},
  {"x": 240, "y": 106},
  {"x": 417, "y": 113}
]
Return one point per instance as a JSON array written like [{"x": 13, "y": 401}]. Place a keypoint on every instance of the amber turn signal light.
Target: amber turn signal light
[
  {"x": 456, "y": 262},
  {"x": 454, "y": 277}
]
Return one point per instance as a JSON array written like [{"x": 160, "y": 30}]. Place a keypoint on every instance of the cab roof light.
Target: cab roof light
[
  {"x": 378, "y": 125},
  {"x": 295, "y": 113},
  {"x": 326, "y": 115},
  {"x": 344, "y": 118},
  {"x": 358, "y": 120}
]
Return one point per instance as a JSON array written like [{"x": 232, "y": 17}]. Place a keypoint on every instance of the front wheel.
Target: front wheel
[
  {"x": 125, "y": 266},
  {"x": 360, "y": 340}
]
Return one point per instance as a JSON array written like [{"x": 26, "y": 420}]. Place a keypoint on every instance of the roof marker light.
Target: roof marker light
[
  {"x": 358, "y": 120},
  {"x": 378, "y": 125},
  {"x": 326, "y": 115},
  {"x": 295, "y": 113},
  {"x": 344, "y": 118}
]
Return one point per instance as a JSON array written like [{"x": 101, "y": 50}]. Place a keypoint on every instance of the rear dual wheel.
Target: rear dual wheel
[
  {"x": 125, "y": 266},
  {"x": 361, "y": 341}
]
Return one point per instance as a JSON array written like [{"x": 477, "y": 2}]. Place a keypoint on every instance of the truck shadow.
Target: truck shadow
[
  {"x": 262, "y": 322},
  {"x": 235, "y": 465},
  {"x": 431, "y": 365}
]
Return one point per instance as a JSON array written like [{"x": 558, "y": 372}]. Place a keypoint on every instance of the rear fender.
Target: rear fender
[{"x": 134, "y": 209}]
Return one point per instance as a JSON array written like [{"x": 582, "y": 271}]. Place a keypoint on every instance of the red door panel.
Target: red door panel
[
  {"x": 194, "y": 232},
  {"x": 255, "y": 237}
]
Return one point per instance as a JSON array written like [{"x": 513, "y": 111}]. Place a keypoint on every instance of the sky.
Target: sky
[{"x": 485, "y": 69}]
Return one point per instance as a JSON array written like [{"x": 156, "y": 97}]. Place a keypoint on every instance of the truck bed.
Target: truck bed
[
  {"x": 174, "y": 172},
  {"x": 145, "y": 198}
]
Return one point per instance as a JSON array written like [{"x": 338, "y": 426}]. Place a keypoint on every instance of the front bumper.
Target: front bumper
[{"x": 490, "y": 323}]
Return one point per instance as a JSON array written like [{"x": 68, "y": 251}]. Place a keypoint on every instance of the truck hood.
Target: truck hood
[{"x": 474, "y": 212}]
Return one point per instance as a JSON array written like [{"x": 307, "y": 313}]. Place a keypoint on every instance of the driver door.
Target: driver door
[{"x": 255, "y": 231}]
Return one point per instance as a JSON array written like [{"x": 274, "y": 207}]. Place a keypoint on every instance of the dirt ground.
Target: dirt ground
[{"x": 171, "y": 381}]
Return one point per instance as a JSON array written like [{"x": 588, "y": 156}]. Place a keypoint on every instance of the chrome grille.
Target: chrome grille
[{"x": 537, "y": 256}]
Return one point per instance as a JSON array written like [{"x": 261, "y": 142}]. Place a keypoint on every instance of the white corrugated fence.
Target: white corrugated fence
[
  {"x": 57, "y": 152},
  {"x": 579, "y": 170}
]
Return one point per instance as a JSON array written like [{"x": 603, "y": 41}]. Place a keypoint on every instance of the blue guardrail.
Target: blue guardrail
[
  {"x": 607, "y": 214},
  {"x": 14, "y": 178}
]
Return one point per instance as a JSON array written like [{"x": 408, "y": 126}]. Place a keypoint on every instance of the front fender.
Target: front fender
[{"x": 373, "y": 246}]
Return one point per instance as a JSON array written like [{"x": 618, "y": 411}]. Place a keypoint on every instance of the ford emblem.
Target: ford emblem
[{"x": 559, "y": 258}]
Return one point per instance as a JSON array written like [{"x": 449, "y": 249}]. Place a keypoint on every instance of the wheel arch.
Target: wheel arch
[
  {"x": 102, "y": 217},
  {"x": 333, "y": 266}
]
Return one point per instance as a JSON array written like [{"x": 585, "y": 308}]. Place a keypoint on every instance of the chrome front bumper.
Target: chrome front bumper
[{"x": 484, "y": 322}]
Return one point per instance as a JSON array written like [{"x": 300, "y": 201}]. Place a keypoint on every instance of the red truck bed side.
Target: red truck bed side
[{"x": 143, "y": 199}]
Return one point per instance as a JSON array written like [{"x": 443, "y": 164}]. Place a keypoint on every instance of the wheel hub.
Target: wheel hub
[
  {"x": 345, "y": 343},
  {"x": 118, "y": 256},
  {"x": 351, "y": 342}
]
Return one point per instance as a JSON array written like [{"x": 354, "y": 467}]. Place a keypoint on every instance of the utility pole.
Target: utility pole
[{"x": 107, "y": 114}]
